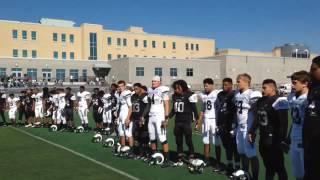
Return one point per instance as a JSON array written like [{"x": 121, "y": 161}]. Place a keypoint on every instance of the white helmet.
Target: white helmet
[
  {"x": 106, "y": 131},
  {"x": 79, "y": 129},
  {"x": 196, "y": 166},
  {"x": 47, "y": 114},
  {"x": 118, "y": 148},
  {"x": 124, "y": 151},
  {"x": 109, "y": 142},
  {"x": 97, "y": 138},
  {"x": 156, "y": 159},
  {"x": 53, "y": 127},
  {"x": 240, "y": 175}
]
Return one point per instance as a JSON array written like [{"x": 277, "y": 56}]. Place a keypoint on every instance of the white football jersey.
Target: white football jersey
[
  {"x": 125, "y": 101},
  {"x": 157, "y": 97},
  {"x": 38, "y": 99},
  {"x": 298, "y": 106},
  {"x": 82, "y": 99},
  {"x": 12, "y": 102},
  {"x": 244, "y": 102},
  {"x": 62, "y": 100},
  {"x": 55, "y": 100},
  {"x": 208, "y": 102}
]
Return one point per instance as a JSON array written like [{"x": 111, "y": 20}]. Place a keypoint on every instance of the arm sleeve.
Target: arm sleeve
[
  {"x": 172, "y": 113},
  {"x": 283, "y": 117},
  {"x": 195, "y": 110},
  {"x": 146, "y": 109}
]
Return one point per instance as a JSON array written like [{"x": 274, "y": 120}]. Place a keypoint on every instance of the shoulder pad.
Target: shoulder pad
[
  {"x": 145, "y": 99},
  {"x": 254, "y": 96},
  {"x": 73, "y": 98},
  {"x": 281, "y": 103},
  {"x": 164, "y": 89},
  {"x": 193, "y": 98},
  {"x": 107, "y": 95},
  {"x": 32, "y": 96},
  {"x": 127, "y": 93}
]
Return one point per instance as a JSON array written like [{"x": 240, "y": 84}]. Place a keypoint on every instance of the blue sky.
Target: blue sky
[{"x": 256, "y": 25}]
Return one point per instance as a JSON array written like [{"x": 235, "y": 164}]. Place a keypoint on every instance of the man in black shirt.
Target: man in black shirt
[
  {"x": 226, "y": 123},
  {"x": 21, "y": 107},
  {"x": 3, "y": 105},
  {"x": 271, "y": 117},
  {"x": 184, "y": 109},
  {"x": 139, "y": 102},
  {"x": 97, "y": 109},
  {"x": 70, "y": 102},
  {"x": 29, "y": 108}
]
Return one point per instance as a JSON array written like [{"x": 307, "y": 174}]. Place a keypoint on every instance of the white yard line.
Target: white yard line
[{"x": 78, "y": 154}]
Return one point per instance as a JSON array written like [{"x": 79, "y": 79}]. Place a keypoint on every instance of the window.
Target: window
[
  {"x": 64, "y": 55},
  {"x": 153, "y": 44},
  {"x": 192, "y": 47},
  {"x": 63, "y": 37},
  {"x": 16, "y": 72},
  {"x": 118, "y": 56},
  {"x": 109, "y": 56},
  {"x": 93, "y": 46},
  {"x": 109, "y": 41},
  {"x": 24, "y": 53},
  {"x": 118, "y": 41},
  {"x": 136, "y": 43},
  {"x": 197, "y": 47},
  {"x": 139, "y": 71},
  {"x": 124, "y": 56},
  {"x": 60, "y": 74},
  {"x": 71, "y": 38},
  {"x": 145, "y": 43},
  {"x": 173, "y": 45},
  {"x": 34, "y": 54},
  {"x": 15, "y": 34},
  {"x": 32, "y": 73},
  {"x": 3, "y": 72},
  {"x": 55, "y": 37},
  {"x": 75, "y": 74},
  {"x": 173, "y": 72},
  {"x": 84, "y": 75},
  {"x": 189, "y": 72},
  {"x": 24, "y": 35},
  {"x": 55, "y": 55},
  {"x": 72, "y": 55},
  {"x": 15, "y": 53},
  {"x": 124, "y": 42},
  {"x": 33, "y": 35},
  {"x": 187, "y": 46},
  {"x": 158, "y": 71},
  {"x": 164, "y": 44},
  {"x": 46, "y": 74}
]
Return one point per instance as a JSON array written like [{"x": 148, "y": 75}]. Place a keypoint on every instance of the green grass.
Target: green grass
[{"x": 23, "y": 157}]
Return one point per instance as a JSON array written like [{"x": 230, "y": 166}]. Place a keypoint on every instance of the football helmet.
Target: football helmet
[
  {"x": 196, "y": 166},
  {"x": 106, "y": 131},
  {"x": 79, "y": 129},
  {"x": 97, "y": 138},
  {"x": 156, "y": 159},
  {"x": 240, "y": 175},
  {"x": 109, "y": 142},
  {"x": 53, "y": 128}
]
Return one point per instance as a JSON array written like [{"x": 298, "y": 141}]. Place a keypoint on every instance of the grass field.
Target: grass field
[{"x": 36, "y": 153}]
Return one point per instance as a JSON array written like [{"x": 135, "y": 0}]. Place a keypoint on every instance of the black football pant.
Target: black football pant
[
  {"x": 183, "y": 129},
  {"x": 230, "y": 146}
]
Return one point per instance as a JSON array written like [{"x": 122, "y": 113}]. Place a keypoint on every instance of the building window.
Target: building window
[
  {"x": 139, "y": 71},
  {"x": 109, "y": 41},
  {"x": 60, "y": 74},
  {"x": 46, "y": 74},
  {"x": 55, "y": 37},
  {"x": 173, "y": 72},
  {"x": 145, "y": 43},
  {"x": 33, "y": 35},
  {"x": 93, "y": 46},
  {"x": 187, "y": 46},
  {"x": 173, "y": 45},
  {"x": 64, "y": 55},
  {"x": 192, "y": 47},
  {"x": 84, "y": 75},
  {"x": 164, "y": 44},
  {"x": 197, "y": 47},
  {"x": 25, "y": 53},
  {"x": 71, "y": 38},
  {"x": 55, "y": 55},
  {"x": 72, "y": 55},
  {"x": 16, "y": 72},
  {"x": 158, "y": 71},
  {"x": 124, "y": 56},
  {"x": 109, "y": 56},
  {"x": 63, "y": 37},
  {"x": 118, "y": 41},
  {"x": 124, "y": 42},
  {"x": 136, "y": 43},
  {"x": 119, "y": 56},
  {"x": 34, "y": 54},
  {"x": 153, "y": 44},
  {"x": 15, "y": 53},
  {"x": 189, "y": 72},
  {"x": 3, "y": 72},
  {"x": 15, "y": 34},
  {"x": 24, "y": 35},
  {"x": 74, "y": 75},
  {"x": 32, "y": 73}
]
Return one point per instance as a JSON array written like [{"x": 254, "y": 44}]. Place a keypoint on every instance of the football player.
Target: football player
[
  {"x": 61, "y": 114},
  {"x": 83, "y": 97},
  {"x": 21, "y": 107},
  {"x": 70, "y": 104},
  {"x": 245, "y": 100},
  {"x": 30, "y": 107},
  {"x": 46, "y": 106},
  {"x": 38, "y": 111},
  {"x": 97, "y": 109},
  {"x": 3, "y": 104},
  {"x": 226, "y": 123},
  {"x": 12, "y": 105},
  {"x": 207, "y": 122},
  {"x": 271, "y": 117}
]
